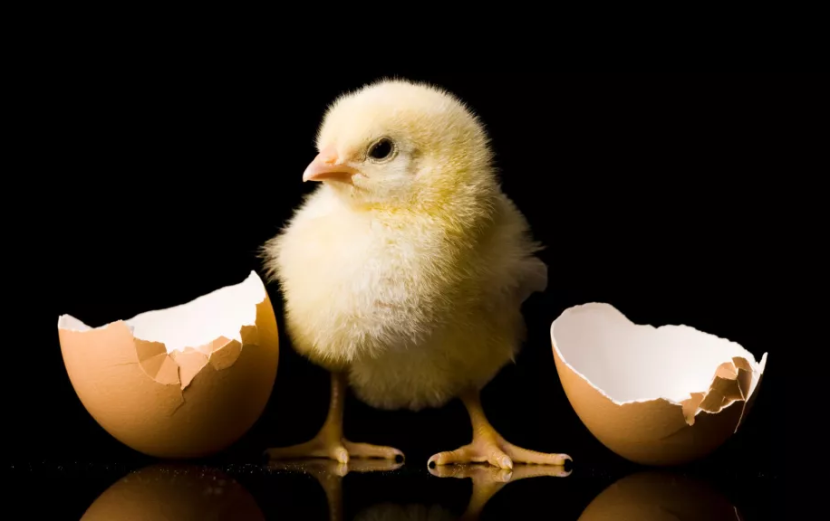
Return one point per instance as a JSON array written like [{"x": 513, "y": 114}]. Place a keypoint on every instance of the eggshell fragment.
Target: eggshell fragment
[
  {"x": 656, "y": 396},
  {"x": 659, "y": 496},
  {"x": 181, "y": 382},
  {"x": 174, "y": 492}
]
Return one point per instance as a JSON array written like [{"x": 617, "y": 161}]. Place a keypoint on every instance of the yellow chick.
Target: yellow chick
[{"x": 404, "y": 272}]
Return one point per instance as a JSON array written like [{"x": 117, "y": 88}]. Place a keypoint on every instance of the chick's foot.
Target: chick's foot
[
  {"x": 340, "y": 450},
  {"x": 330, "y": 442},
  {"x": 488, "y": 445}
]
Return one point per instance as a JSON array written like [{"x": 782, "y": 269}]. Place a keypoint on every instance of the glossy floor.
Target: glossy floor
[{"x": 385, "y": 491}]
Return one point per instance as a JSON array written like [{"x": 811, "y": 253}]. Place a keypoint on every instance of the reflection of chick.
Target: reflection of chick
[
  {"x": 487, "y": 481},
  {"x": 330, "y": 474},
  {"x": 404, "y": 272},
  {"x": 393, "y": 512}
]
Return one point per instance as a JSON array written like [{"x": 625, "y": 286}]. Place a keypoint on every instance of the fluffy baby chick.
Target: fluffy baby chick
[{"x": 404, "y": 272}]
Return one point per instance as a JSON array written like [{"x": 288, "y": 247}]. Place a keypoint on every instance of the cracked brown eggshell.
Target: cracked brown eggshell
[
  {"x": 654, "y": 395},
  {"x": 182, "y": 382}
]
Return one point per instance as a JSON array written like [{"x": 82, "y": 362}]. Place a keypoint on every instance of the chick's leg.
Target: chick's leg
[
  {"x": 489, "y": 446},
  {"x": 329, "y": 441}
]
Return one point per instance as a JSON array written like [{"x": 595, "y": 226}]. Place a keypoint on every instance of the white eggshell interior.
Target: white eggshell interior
[
  {"x": 634, "y": 363},
  {"x": 220, "y": 313}
]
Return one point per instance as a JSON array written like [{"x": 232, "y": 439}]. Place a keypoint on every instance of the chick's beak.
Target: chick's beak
[{"x": 327, "y": 166}]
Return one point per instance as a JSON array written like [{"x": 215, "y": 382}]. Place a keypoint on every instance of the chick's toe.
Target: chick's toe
[
  {"x": 338, "y": 450},
  {"x": 491, "y": 448}
]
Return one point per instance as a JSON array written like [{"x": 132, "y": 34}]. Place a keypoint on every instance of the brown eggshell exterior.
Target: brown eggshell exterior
[
  {"x": 649, "y": 433},
  {"x": 658, "y": 496},
  {"x": 174, "y": 493},
  {"x": 162, "y": 420}
]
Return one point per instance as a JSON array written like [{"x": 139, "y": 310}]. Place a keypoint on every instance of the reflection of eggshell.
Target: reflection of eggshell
[
  {"x": 174, "y": 492},
  {"x": 658, "y": 496},
  {"x": 656, "y": 396},
  {"x": 187, "y": 381}
]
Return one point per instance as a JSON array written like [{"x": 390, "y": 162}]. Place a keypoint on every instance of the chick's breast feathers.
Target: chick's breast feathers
[{"x": 362, "y": 285}]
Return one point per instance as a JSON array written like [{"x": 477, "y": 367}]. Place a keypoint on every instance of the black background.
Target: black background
[{"x": 648, "y": 191}]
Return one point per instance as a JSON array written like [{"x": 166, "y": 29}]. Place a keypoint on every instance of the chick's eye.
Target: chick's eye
[{"x": 382, "y": 149}]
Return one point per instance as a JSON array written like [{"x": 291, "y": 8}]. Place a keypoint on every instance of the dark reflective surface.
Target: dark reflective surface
[
  {"x": 377, "y": 490},
  {"x": 667, "y": 238}
]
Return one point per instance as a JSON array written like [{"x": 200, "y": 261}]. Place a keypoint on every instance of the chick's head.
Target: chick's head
[{"x": 396, "y": 144}]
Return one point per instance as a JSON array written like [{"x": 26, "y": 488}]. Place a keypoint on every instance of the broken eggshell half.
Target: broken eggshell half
[
  {"x": 181, "y": 382},
  {"x": 654, "y": 395}
]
